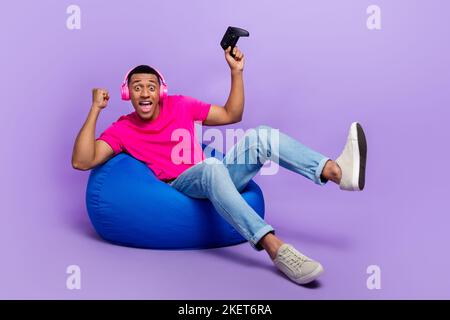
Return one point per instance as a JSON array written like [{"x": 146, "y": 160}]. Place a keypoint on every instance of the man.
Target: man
[{"x": 147, "y": 134}]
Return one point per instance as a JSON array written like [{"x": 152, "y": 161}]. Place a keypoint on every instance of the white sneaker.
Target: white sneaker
[
  {"x": 298, "y": 267},
  {"x": 352, "y": 160}
]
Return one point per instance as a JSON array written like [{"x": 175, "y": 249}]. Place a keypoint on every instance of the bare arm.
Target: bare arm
[
  {"x": 234, "y": 107},
  {"x": 235, "y": 102},
  {"x": 87, "y": 153}
]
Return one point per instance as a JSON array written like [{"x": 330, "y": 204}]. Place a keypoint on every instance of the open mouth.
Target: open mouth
[{"x": 146, "y": 106}]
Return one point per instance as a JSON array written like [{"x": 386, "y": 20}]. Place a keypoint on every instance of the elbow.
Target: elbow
[
  {"x": 80, "y": 166},
  {"x": 236, "y": 119}
]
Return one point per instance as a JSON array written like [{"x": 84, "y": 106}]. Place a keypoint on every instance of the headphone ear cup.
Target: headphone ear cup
[
  {"x": 125, "y": 93},
  {"x": 162, "y": 93}
]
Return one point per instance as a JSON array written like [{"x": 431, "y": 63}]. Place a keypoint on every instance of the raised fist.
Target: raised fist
[{"x": 100, "y": 97}]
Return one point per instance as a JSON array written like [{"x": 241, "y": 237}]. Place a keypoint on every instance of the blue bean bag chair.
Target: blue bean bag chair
[{"x": 129, "y": 206}]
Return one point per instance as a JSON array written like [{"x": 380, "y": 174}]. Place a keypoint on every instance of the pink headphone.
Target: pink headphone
[{"x": 162, "y": 88}]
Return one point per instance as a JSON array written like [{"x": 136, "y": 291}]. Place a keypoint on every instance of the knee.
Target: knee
[
  {"x": 214, "y": 168},
  {"x": 212, "y": 161}
]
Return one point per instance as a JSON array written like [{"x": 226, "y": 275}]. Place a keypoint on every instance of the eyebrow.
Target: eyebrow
[{"x": 151, "y": 81}]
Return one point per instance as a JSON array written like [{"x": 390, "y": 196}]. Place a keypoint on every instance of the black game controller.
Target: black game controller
[{"x": 231, "y": 37}]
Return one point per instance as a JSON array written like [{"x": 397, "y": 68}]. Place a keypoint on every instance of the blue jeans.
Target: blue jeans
[{"x": 221, "y": 181}]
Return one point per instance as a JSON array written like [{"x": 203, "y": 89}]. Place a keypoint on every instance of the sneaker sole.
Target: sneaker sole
[
  {"x": 311, "y": 277},
  {"x": 362, "y": 146},
  {"x": 359, "y": 145}
]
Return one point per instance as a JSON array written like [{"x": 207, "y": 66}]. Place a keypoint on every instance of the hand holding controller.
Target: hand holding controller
[{"x": 231, "y": 37}]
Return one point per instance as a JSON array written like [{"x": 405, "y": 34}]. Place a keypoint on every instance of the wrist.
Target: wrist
[
  {"x": 236, "y": 72},
  {"x": 95, "y": 107}
]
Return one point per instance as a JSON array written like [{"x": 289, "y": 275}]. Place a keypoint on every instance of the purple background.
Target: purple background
[{"x": 312, "y": 67}]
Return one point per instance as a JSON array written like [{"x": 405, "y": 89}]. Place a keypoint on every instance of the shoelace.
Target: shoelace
[{"x": 293, "y": 258}]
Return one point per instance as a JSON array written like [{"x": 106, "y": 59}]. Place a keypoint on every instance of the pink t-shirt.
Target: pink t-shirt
[{"x": 168, "y": 145}]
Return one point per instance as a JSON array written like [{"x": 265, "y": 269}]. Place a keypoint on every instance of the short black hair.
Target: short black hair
[{"x": 143, "y": 69}]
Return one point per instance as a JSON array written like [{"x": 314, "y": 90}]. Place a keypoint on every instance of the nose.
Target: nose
[{"x": 145, "y": 93}]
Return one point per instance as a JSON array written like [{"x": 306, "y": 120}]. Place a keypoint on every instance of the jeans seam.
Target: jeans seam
[{"x": 247, "y": 235}]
